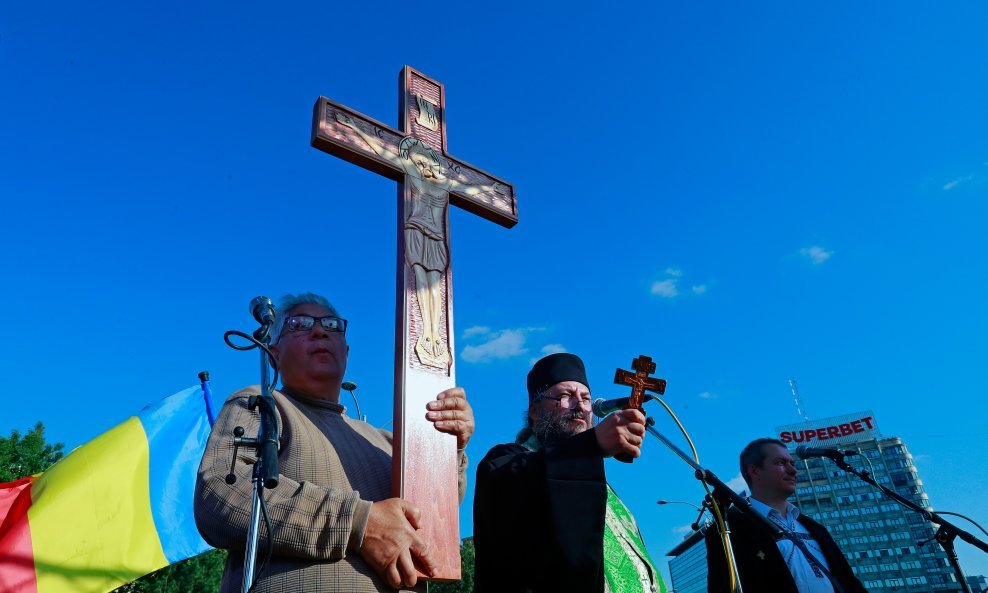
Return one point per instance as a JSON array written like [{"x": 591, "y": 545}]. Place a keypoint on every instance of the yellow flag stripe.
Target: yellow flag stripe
[{"x": 90, "y": 517}]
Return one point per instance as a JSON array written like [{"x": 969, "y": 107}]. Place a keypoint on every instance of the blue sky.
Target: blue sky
[{"x": 745, "y": 193}]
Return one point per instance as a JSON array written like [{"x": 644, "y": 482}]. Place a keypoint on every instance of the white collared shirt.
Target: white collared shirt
[{"x": 807, "y": 581}]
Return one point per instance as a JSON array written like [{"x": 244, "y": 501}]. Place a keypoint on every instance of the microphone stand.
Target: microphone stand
[
  {"x": 265, "y": 470},
  {"x": 722, "y": 493},
  {"x": 944, "y": 535}
]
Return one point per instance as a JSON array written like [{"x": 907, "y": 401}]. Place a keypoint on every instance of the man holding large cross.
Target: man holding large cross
[
  {"x": 545, "y": 519},
  {"x": 334, "y": 524}
]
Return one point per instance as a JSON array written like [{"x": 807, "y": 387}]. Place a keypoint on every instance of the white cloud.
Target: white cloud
[
  {"x": 737, "y": 483},
  {"x": 476, "y": 330},
  {"x": 553, "y": 349},
  {"x": 952, "y": 184},
  {"x": 816, "y": 254},
  {"x": 707, "y": 395},
  {"x": 665, "y": 288},
  {"x": 669, "y": 287},
  {"x": 499, "y": 345},
  {"x": 682, "y": 529}
]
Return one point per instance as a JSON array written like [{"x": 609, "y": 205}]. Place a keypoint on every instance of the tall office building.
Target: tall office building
[
  {"x": 878, "y": 536},
  {"x": 688, "y": 566}
]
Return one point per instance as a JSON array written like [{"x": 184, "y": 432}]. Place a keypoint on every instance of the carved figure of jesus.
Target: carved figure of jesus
[{"x": 426, "y": 250}]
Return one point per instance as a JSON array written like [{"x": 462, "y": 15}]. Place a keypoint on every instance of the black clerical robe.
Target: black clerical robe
[{"x": 539, "y": 518}]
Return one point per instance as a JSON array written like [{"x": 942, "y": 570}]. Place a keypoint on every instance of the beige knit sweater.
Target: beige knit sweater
[{"x": 332, "y": 469}]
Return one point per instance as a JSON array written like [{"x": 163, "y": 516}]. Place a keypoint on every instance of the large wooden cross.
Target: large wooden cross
[{"x": 425, "y": 466}]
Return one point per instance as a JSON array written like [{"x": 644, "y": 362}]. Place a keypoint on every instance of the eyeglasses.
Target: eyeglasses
[
  {"x": 304, "y": 323},
  {"x": 569, "y": 401}
]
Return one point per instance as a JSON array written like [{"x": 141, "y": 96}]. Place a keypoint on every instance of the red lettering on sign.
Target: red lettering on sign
[{"x": 825, "y": 433}]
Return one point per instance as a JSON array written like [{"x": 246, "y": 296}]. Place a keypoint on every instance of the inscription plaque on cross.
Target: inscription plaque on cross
[{"x": 424, "y": 460}]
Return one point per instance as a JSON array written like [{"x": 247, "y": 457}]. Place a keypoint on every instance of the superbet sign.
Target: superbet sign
[{"x": 839, "y": 429}]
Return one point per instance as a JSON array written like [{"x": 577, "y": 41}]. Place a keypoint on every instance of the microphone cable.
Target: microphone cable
[
  {"x": 269, "y": 548},
  {"x": 254, "y": 343},
  {"x": 719, "y": 516}
]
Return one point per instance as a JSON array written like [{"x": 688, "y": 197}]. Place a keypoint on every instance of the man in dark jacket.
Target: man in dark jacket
[
  {"x": 805, "y": 560},
  {"x": 545, "y": 519}
]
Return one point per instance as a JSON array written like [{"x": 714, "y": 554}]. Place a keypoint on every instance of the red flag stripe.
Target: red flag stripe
[{"x": 16, "y": 554}]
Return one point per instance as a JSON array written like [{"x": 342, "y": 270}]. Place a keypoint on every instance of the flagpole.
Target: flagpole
[{"x": 207, "y": 396}]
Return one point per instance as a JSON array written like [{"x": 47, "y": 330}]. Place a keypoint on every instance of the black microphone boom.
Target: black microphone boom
[
  {"x": 804, "y": 452},
  {"x": 263, "y": 310}
]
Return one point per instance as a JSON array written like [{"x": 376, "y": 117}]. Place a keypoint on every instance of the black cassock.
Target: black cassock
[{"x": 538, "y": 518}]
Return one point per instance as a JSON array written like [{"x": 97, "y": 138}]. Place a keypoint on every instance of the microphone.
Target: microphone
[
  {"x": 804, "y": 452},
  {"x": 602, "y": 407},
  {"x": 263, "y": 310}
]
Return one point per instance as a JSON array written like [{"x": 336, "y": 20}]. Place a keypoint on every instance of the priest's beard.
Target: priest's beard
[{"x": 549, "y": 427}]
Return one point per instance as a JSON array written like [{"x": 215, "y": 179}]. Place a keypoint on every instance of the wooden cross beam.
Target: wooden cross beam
[
  {"x": 640, "y": 381},
  {"x": 424, "y": 460}
]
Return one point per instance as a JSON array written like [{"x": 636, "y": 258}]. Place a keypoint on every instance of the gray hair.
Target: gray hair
[{"x": 289, "y": 302}]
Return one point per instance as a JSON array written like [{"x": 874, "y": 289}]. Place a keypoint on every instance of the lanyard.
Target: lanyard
[{"x": 790, "y": 534}]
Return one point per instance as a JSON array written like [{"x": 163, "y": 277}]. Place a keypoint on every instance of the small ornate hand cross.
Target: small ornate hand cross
[{"x": 640, "y": 380}]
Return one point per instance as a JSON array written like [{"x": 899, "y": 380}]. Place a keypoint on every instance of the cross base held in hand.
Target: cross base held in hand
[{"x": 946, "y": 533}]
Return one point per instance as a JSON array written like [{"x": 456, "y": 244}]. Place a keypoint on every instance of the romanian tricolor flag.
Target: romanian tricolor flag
[{"x": 112, "y": 510}]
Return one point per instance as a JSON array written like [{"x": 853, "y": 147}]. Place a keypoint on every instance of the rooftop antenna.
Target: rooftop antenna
[{"x": 799, "y": 402}]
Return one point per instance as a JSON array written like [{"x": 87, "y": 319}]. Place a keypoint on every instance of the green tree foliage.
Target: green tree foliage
[
  {"x": 465, "y": 584},
  {"x": 22, "y": 456},
  {"x": 200, "y": 574}
]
